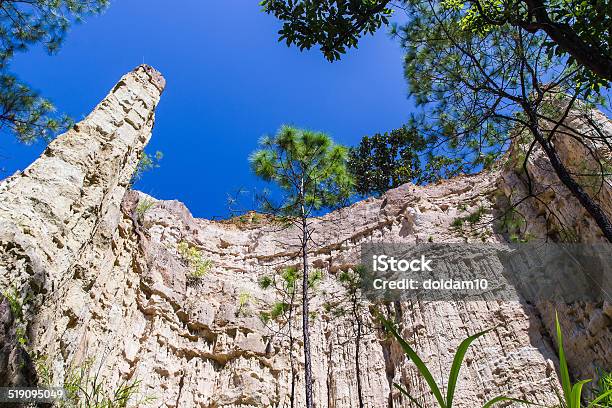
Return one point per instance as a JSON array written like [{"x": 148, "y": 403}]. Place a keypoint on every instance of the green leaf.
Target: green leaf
[
  {"x": 418, "y": 362},
  {"x": 410, "y": 397},
  {"x": 565, "y": 379},
  {"x": 501, "y": 399},
  {"x": 456, "y": 366},
  {"x": 600, "y": 398},
  {"x": 577, "y": 393}
]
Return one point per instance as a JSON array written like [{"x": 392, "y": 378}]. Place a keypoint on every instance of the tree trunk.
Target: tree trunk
[
  {"x": 566, "y": 38},
  {"x": 305, "y": 317},
  {"x": 566, "y": 178},
  {"x": 305, "y": 313},
  {"x": 357, "y": 350},
  {"x": 292, "y": 375},
  {"x": 291, "y": 343}
]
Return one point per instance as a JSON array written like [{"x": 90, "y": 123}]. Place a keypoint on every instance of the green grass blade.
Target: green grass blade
[
  {"x": 565, "y": 380},
  {"x": 418, "y": 362},
  {"x": 601, "y": 397},
  {"x": 403, "y": 391},
  {"x": 502, "y": 399},
  {"x": 576, "y": 393},
  {"x": 456, "y": 366}
]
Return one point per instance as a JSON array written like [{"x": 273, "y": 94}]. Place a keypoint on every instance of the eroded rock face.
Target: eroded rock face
[
  {"x": 556, "y": 214},
  {"x": 16, "y": 367},
  {"x": 109, "y": 281},
  {"x": 59, "y": 216}
]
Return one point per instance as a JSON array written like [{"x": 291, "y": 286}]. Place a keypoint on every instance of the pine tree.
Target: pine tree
[
  {"x": 388, "y": 160},
  {"x": 23, "y": 112},
  {"x": 310, "y": 172},
  {"x": 483, "y": 73}
]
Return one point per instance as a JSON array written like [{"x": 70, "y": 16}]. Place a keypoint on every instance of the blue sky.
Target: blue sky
[{"x": 228, "y": 83}]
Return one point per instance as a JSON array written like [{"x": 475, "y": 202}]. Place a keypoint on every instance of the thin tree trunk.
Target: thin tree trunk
[
  {"x": 305, "y": 319},
  {"x": 292, "y": 374},
  {"x": 305, "y": 313},
  {"x": 291, "y": 343},
  {"x": 566, "y": 178},
  {"x": 357, "y": 350}
]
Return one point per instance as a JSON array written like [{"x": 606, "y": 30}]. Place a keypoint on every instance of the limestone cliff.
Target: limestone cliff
[{"x": 102, "y": 275}]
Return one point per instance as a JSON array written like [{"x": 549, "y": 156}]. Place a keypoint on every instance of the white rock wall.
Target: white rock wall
[{"x": 109, "y": 284}]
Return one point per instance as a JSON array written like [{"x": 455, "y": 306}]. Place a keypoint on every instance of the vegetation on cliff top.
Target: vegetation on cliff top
[{"x": 479, "y": 69}]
